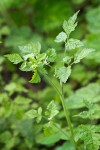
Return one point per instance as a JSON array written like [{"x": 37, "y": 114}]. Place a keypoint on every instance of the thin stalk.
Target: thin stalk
[
  {"x": 67, "y": 115},
  {"x": 61, "y": 95},
  {"x": 59, "y": 129}
]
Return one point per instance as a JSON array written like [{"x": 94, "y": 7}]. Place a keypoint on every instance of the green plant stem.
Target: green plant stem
[
  {"x": 67, "y": 115},
  {"x": 61, "y": 95},
  {"x": 59, "y": 129}
]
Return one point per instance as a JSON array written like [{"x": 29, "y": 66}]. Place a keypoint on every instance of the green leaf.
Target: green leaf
[
  {"x": 73, "y": 18},
  {"x": 31, "y": 55},
  {"x": 48, "y": 130},
  {"x": 31, "y": 114},
  {"x": 48, "y": 140},
  {"x": 51, "y": 111},
  {"x": 30, "y": 48},
  {"x": 83, "y": 115},
  {"x": 39, "y": 110},
  {"x": 91, "y": 40},
  {"x": 90, "y": 93},
  {"x": 61, "y": 37},
  {"x": 92, "y": 114},
  {"x": 35, "y": 114},
  {"x": 81, "y": 54},
  {"x": 63, "y": 73},
  {"x": 14, "y": 58},
  {"x": 66, "y": 146},
  {"x": 88, "y": 104},
  {"x": 26, "y": 66},
  {"x": 93, "y": 19},
  {"x": 39, "y": 117},
  {"x": 35, "y": 78},
  {"x": 42, "y": 70},
  {"x": 90, "y": 134},
  {"x": 20, "y": 100},
  {"x": 41, "y": 57},
  {"x": 67, "y": 59},
  {"x": 4, "y": 5},
  {"x": 70, "y": 25},
  {"x": 73, "y": 43},
  {"x": 51, "y": 54},
  {"x": 93, "y": 111}
]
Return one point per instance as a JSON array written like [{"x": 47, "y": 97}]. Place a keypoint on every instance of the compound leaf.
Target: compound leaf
[
  {"x": 14, "y": 58},
  {"x": 90, "y": 135}
]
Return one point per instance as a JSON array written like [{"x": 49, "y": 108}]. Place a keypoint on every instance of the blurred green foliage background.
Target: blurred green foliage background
[{"x": 22, "y": 21}]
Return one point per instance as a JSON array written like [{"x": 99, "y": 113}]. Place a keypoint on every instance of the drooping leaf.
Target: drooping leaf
[
  {"x": 63, "y": 73},
  {"x": 61, "y": 37},
  {"x": 14, "y": 58},
  {"x": 81, "y": 54},
  {"x": 35, "y": 78},
  {"x": 73, "y": 43}
]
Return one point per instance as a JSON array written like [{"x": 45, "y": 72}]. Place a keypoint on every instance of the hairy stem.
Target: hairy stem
[{"x": 61, "y": 95}]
